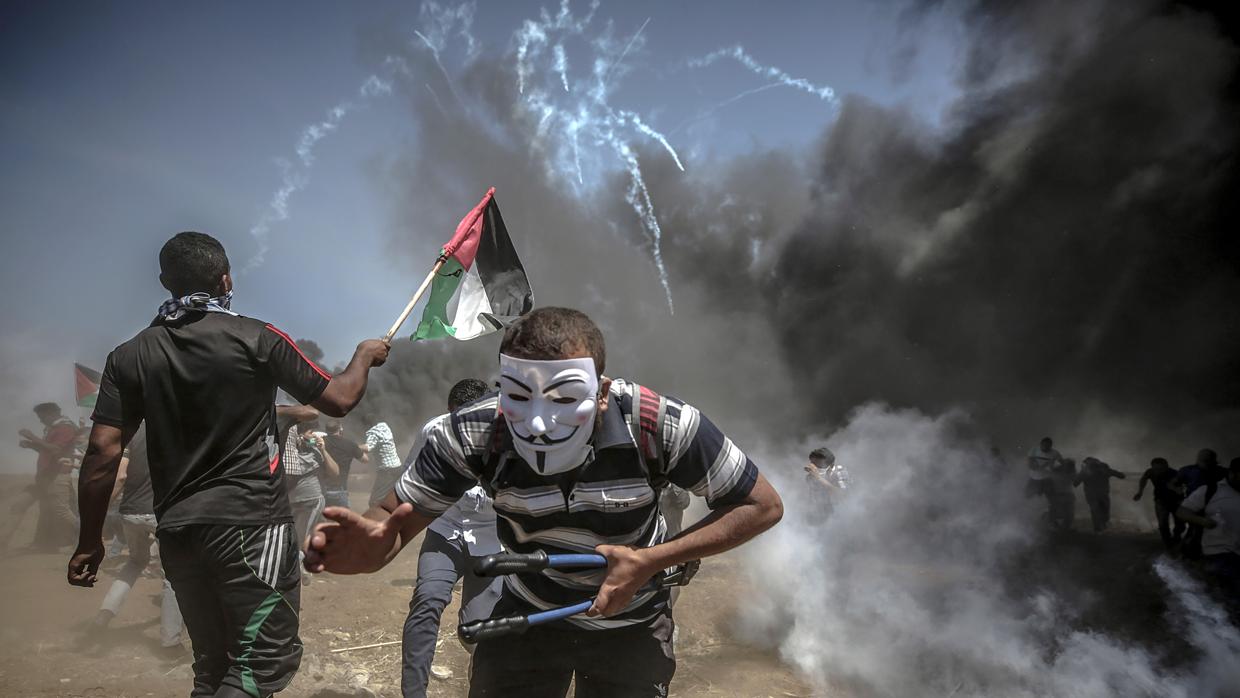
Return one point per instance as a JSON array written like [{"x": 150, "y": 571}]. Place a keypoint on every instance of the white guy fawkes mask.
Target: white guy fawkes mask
[{"x": 549, "y": 407}]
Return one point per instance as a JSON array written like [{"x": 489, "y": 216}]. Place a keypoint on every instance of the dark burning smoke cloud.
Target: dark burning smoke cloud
[
  {"x": 1065, "y": 241},
  {"x": 1056, "y": 257}
]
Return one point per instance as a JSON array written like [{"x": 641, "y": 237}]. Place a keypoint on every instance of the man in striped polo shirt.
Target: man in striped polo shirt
[{"x": 560, "y": 451}]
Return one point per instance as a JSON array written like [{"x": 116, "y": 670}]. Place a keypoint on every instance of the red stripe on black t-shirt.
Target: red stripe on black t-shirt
[{"x": 300, "y": 353}]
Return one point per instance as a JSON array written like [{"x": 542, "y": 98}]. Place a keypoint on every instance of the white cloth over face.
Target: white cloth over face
[{"x": 549, "y": 407}]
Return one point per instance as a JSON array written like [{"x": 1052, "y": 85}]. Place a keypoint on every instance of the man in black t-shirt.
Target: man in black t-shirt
[
  {"x": 204, "y": 379},
  {"x": 344, "y": 451}
]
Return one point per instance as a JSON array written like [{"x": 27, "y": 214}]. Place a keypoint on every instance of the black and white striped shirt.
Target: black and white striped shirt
[{"x": 609, "y": 500}]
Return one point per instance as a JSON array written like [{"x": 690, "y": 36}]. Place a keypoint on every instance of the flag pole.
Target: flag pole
[{"x": 414, "y": 301}]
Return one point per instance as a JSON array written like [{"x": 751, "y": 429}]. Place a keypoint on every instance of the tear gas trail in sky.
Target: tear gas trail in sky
[
  {"x": 574, "y": 115},
  {"x": 738, "y": 54},
  {"x": 580, "y": 134},
  {"x": 295, "y": 175},
  {"x": 440, "y": 24}
]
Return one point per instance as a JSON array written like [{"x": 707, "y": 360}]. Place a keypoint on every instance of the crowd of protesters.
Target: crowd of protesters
[
  {"x": 1197, "y": 506},
  {"x": 236, "y": 505},
  {"x": 240, "y": 480}
]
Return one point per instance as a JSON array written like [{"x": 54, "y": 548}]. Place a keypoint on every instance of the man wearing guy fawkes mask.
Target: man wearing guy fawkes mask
[{"x": 563, "y": 451}]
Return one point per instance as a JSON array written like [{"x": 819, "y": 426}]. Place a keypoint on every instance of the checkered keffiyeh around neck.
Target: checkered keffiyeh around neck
[{"x": 176, "y": 308}]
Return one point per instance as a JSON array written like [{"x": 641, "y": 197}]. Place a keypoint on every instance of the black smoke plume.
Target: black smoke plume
[{"x": 1059, "y": 255}]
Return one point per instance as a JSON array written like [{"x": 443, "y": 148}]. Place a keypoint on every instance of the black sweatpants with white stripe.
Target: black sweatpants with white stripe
[{"x": 239, "y": 589}]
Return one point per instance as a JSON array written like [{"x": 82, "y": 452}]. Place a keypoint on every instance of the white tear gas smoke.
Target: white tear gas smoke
[
  {"x": 295, "y": 175},
  {"x": 579, "y": 130},
  {"x": 738, "y": 54},
  {"x": 916, "y": 583},
  {"x": 578, "y": 127}
]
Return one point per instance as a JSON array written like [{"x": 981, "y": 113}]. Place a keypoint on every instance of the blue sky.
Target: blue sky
[{"x": 125, "y": 122}]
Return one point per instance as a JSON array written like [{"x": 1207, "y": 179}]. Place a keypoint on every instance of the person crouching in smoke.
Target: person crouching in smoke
[
  {"x": 828, "y": 480},
  {"x": 562, "y": 451}
]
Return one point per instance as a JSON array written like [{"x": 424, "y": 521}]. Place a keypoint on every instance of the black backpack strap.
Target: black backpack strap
[{"x": 495, "y": 455}]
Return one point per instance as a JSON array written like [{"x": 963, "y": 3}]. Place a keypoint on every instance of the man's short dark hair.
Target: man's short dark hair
[
  {"x": 332, "y": 426},
  {"x": 1159, "y": 461},
  {"x": 1047, "y": 439},
  {"x": 465, "y": 392},
  {"x": 47, "y": 408},
  {"x": 550, "y": 333},
  {"x": 191, "y": 263},
  {"x": 1234, "y": 466},
  {"x": 823, "y": 454}
]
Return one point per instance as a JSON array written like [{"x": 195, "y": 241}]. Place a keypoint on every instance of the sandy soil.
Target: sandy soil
[{"x": 42, "y": 651}]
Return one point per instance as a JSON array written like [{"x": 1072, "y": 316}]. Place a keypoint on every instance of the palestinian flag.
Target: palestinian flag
[
  {"x": 86, "y": 385},
  {"x": 481, "y": 286}
]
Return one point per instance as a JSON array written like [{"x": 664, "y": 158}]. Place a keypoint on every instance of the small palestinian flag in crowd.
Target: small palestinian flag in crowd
[
  {"x": 481, "y": 286},
  {"x": 86, "y": 385}
]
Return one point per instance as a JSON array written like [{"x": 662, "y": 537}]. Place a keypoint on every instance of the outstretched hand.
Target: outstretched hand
[{"x": 349, "y": 543}]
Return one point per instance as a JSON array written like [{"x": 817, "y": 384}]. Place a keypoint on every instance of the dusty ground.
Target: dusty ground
[{"x": 41, "y": 650}]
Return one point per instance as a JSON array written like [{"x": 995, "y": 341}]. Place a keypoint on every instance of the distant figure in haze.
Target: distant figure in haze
[
  {"x": 1166, "y": 500},
  {"x": 1042, "y": 459},
  {"x": 344, "y": 451},
  {"x": 307, "y": 464},
  {"x": 1096, "y": 476},
  {"x": 204, "y": 380},
  {"x": 1062, "y": 498},
  {"x": 450, "y": 547},
  {"x": 828, "y": 479},
  {"x": 1215, "y": 507},
  {"x": 388, "y": 466},
  {"x": 53, "y": 480},
  {"x": 137, "y": 512},
  {"x": 1201, "y": 473}
]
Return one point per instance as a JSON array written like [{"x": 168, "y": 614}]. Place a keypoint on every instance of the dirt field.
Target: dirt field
[{"x": 42, "y": 651}]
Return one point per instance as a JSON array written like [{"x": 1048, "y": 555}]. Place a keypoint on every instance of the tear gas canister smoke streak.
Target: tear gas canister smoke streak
[{"x": 296, "y": 175}]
